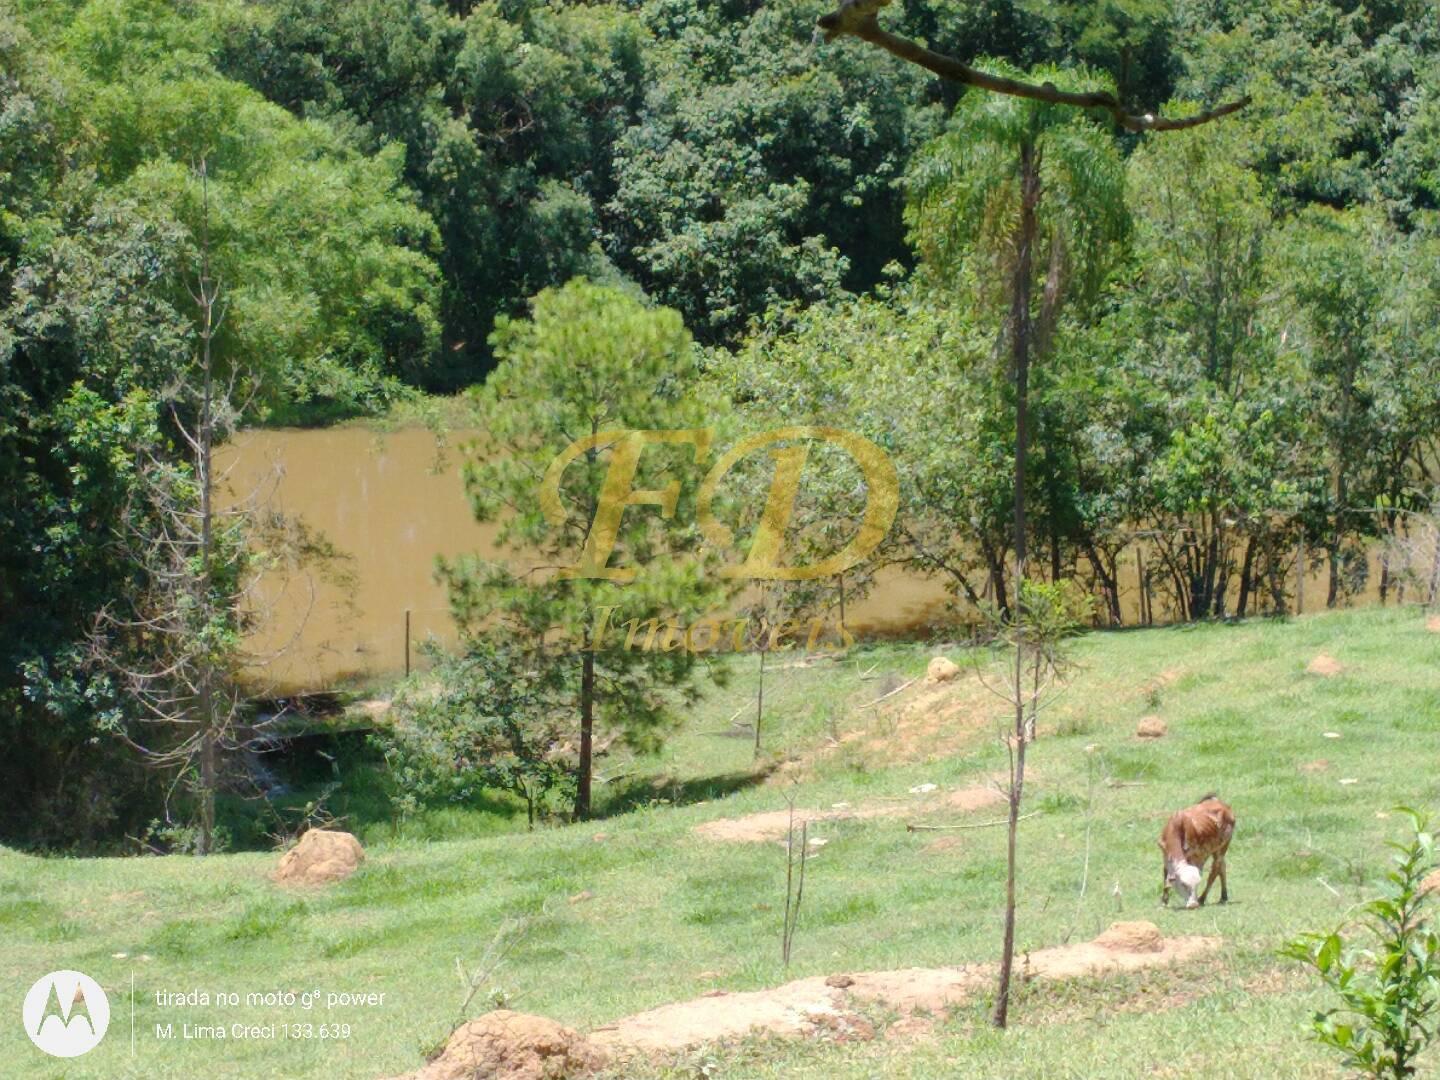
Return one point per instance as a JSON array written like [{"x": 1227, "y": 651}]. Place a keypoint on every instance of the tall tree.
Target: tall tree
[
  {"x": 88, "y": 339},
  {"x": 1193, "y": 323},
  {"x": 506, "y": 114},
  {"x": 1129, "y": 40},
  {"x": 173, "y": 638},
  {"x": 333, "y": 292},
  {"x": 593, "y": 592},
  {"x": 106, "y": 110},
  {"x": 1336, "y": 88},
  {"x": 1359, "y": 303},
  {"x": 894, "y": 367},
  {"x": 859, "y": 18}
]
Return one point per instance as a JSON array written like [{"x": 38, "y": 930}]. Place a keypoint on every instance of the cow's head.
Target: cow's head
[{"x": 1186, "y": 878}]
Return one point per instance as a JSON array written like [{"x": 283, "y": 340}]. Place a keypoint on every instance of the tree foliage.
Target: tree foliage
[
  {"x": 594, "y": 364},
  {"x": 1235, "y": 358},
  {"x": 479, "y": 722}
]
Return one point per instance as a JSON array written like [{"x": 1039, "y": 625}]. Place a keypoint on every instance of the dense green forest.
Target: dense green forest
[{"x": 1236, "y": 326}]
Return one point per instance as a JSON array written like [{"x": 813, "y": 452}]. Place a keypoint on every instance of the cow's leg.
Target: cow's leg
[
  {"x": 1165, "y": 886},
  {"x": 1214, "y": 871},
  {"x": 1224, "y": 887}
]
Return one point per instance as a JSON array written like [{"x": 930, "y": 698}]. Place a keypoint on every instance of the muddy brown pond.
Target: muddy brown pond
[{"x": 391, "y": 503}]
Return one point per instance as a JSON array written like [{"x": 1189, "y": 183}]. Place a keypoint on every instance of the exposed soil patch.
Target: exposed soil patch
[
  {"x": 797, "y": 1008},
  {"x": 821, "y": 1006},
  {"x": 931, "y": 719},
  {"x": 765, "y": 826},
  {"x": 974, "y": 798},
  {"x": 1432, "y": 624},
  {"x": 773, "y": 825},
  {"x": 1313, "y": 767},
  {"x": 505, "y": 1045},
  {"x": 1325, "y": 666},
  {"x": 922, "y": 990}
]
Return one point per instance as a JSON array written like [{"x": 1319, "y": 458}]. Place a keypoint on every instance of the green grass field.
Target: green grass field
[{"x": 672, "y": 915}]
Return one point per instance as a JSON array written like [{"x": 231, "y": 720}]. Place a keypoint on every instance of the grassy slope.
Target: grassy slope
[{"x": 666, "y": 907}]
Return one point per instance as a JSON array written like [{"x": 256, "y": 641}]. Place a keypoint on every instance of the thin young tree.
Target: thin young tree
[
  {"x": 859, "y": 18},
  {"x": 783, "y": 617},
  {"x": 806, "y": 613},
  {"x": 1027, "y": 199},
  {"x": 175, "y": 637}
]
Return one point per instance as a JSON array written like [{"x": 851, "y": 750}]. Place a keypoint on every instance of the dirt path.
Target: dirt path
[
  {"x": 524, "y": 1047},
  {"x": 829, "y": 1004},
  {"x": 772, "y": 825}
]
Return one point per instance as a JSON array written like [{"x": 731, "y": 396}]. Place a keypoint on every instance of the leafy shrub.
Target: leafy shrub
[
  {"x": 480, "y": 720},
  {"x": 1389, "y": 988}
]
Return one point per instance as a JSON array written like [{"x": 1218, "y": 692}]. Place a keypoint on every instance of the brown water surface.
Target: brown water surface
[{"x": 393, "y": 502}]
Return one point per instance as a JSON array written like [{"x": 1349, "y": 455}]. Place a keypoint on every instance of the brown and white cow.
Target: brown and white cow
[{"x": 1190, "y": 838}]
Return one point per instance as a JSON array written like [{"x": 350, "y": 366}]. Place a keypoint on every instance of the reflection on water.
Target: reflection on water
[{"x": 392, "y": 503}]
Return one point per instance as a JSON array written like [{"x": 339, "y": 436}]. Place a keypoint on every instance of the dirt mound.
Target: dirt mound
[
  {"x": 321, "y": 857},
  {"x": 826, "y": 1006},
  {"x": 941, "y": 669},
  {"x": 1151, "y": 727},
  {"x": 1325, "y": 666},
  {"x": 1132, "y": 937},
  {"x": 505, "y": 1045},
  {"x": 1124, "y": 947},
  {"x": 1432, "y": 624}
]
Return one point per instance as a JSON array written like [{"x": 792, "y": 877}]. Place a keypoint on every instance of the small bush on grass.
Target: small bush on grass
[
  {"x": 482, "y": 720},
  {"x": 1387, "y": 977}
]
